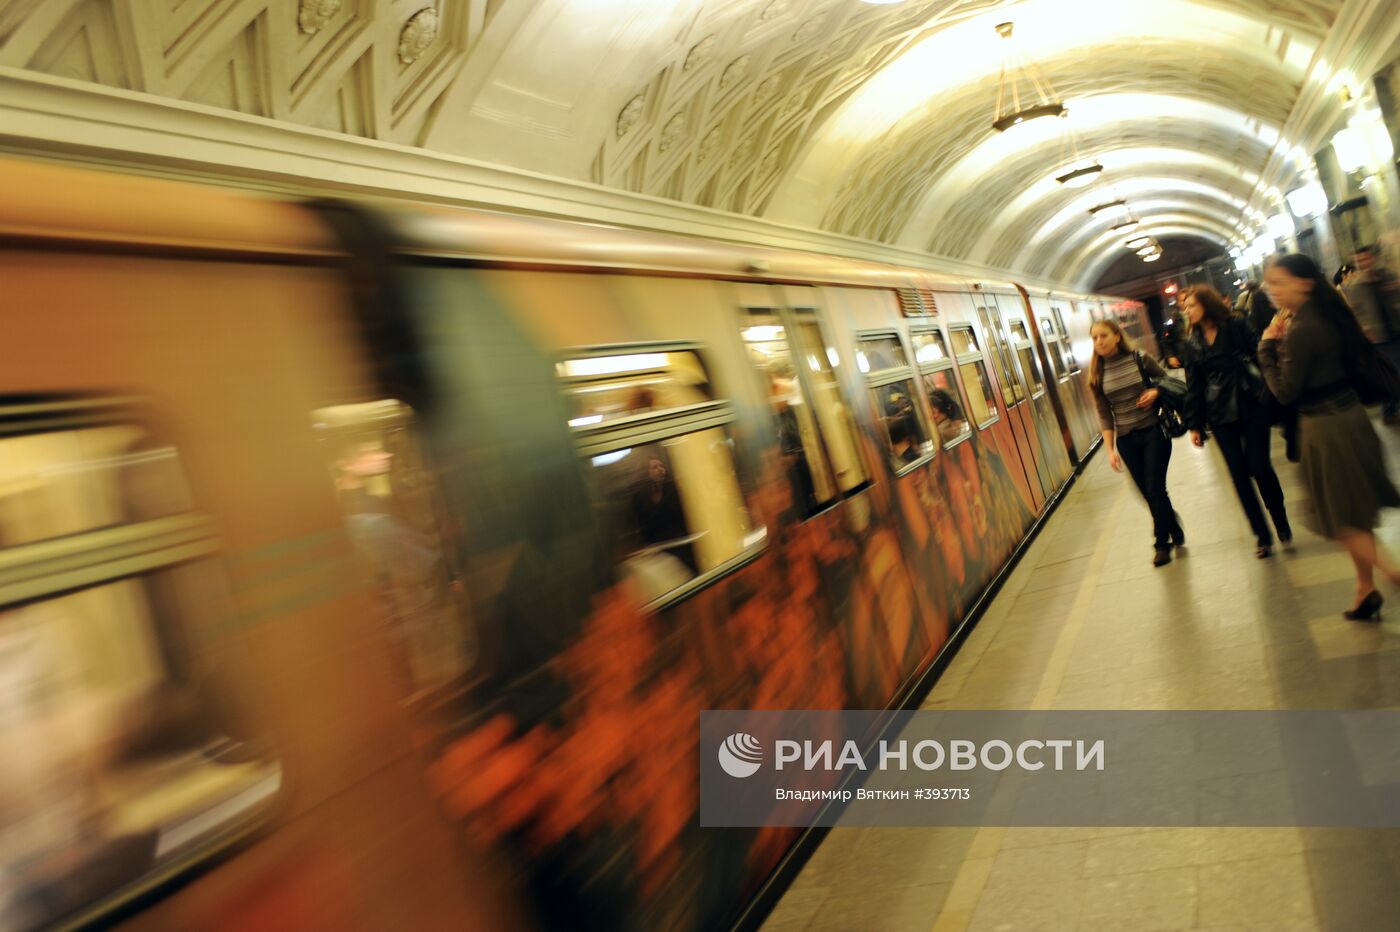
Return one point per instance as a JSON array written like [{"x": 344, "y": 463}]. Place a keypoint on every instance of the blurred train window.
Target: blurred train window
[
  {"x": 929, "y": 347},
  {"x": 1066, "y": 347},
  {"x": 815, "y": 427},
  {"x": 940, "y": 387},
  {"x": 982, "y": 400},
  {"x": 389, "y": 501},
  {"x": 66, "y": 482},
  {"x": 880, "y": 352},
  {"x": 891, "y": 384},
  {"x": 946, "y": 401},
  {"x": 127, "y": 755},
  {"x": 666, "y": 475},
  {"x": 1025, "y": 351},
  {"x": 833, "y": 412},
  {"x": 1053, "y": 350},
  {"x": 1011, "y": 391},
  {"x": 606, "y": 388},
  {"x": 799, "y": 437}
]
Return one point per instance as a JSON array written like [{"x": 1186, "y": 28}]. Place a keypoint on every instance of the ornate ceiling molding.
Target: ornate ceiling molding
[{"x": 736, "y": 105}]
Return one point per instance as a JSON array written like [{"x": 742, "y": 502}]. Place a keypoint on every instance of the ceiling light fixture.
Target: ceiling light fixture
[
  {"x": 1107, "y": 205},
  {"x": 1080, "y": 177},
  {"x": 1137, "y": 242},
  {"x": 1015, "y": 114},
  {"x": 1152, "y": 258}
]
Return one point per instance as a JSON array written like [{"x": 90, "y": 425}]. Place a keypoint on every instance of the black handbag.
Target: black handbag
[
  {"x": 1171, "y": 400},
  {"x": 1252, "y": 381}
]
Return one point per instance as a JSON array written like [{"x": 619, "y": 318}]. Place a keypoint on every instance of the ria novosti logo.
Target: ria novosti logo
[{"x": 741, "y": 755}]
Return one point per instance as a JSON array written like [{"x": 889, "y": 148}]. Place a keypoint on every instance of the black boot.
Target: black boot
[
  {"x": 1177, "y": 534},
  {"x": 1162, "y": 556}
]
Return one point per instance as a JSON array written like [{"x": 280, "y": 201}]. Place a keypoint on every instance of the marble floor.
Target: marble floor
[{"x": 1086, "y": 622}]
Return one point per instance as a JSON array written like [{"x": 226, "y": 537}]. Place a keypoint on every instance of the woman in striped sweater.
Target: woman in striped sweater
[{"x": 1128, "y": 415}]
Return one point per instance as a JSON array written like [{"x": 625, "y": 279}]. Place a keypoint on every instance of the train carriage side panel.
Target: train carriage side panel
[{"x": 263, "y": 614}]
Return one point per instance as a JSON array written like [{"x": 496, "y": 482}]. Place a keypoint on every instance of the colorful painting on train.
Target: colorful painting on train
[{"x": 577, "y": 760}]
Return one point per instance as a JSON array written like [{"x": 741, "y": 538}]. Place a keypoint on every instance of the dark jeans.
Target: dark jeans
[
  {"x": 1146, "y": 453},
  {"x": 1245, "y": 446}
]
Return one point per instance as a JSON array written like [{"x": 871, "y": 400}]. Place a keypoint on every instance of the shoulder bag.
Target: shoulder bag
[{"x": 1171, "y": 400}]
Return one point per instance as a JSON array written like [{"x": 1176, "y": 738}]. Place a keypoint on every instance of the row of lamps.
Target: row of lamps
[{"x": 1014, "y": 109}]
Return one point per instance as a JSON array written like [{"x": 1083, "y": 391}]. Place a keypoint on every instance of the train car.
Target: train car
[{"x": 368, "y": 565}]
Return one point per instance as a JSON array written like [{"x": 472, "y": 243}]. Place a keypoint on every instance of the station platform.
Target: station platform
[{"x": 1086, "y": 622}]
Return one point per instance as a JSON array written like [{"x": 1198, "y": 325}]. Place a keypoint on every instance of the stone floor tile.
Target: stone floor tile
[
  {"x": 1157, "y": 850},
  {"x": 1259, "y": 891},
  {"x": 1041, "y": 907},
  {"x": 796, "y": 909},
  {"x": 893, "y": 857},
  {"x": 910, "y": 909},
  {"x": 1165, "y": 899},
  {"x": 1041, "y": 864}
]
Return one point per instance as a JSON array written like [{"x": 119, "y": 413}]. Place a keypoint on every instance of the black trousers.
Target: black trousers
[
  {"x": 1245, "y": 446},
  {"x": 1147, "y": 453}
]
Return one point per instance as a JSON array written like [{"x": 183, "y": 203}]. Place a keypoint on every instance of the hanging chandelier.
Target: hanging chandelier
[
  {"x": 1107, "y": 205},
  {"x": 1010, "y": 112},
  {"x": 1080, "y": 177}
]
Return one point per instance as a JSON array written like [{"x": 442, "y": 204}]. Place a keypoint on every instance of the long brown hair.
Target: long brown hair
[
  {"x": 1211, "y": 301},
  {"x": 1125, "y": 345}
]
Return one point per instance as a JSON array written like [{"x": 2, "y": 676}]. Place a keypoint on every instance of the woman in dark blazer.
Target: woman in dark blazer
[
  {"x": 1309, "y": 354},
  {"x": 1223, "y": 386}
]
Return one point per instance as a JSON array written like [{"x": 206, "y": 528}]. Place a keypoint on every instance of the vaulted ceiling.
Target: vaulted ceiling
[{"x": 871, "y": 119}]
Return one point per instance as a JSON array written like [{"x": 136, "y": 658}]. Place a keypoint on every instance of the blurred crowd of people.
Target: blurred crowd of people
[{"x": 1296, "y": 351}]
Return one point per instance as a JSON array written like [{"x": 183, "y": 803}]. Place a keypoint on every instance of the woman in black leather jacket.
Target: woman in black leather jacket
[{"x": 1225, "y": 393}]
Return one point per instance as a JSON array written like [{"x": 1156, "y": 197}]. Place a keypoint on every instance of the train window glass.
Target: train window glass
[
  {"x": 799, "y": 438},
  {"x": 901, "y": 419},
  {"x": 126, "y": 755},
  {"x": 946, "y": 401},
  {"x": 676, "y": 509},
  {"x": 982, "y": 399},
  {"x": 389, "y": 502},
  {"x": 1029, "y": 367},
  {"x": 876, "y": 353},
  {"x": 606, "y": 388},
  {"x": 964, "y": 341},
  {"x": 833, "y": 413},
  {"x": 1018, "y": 332},
  {"x": 66, "y": 482},
  {"x": 929, "y": 347},
  {"x": 1011, "y": 391},
  {"x": 666, "y": 477},
  {"x": 1066, "y": 347},
  {"x": 906, "y": 439},
  {"x": 1053, "y": 349}
]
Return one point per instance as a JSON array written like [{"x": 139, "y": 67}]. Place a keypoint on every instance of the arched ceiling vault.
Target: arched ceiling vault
[
  {"x": 869, "y": 119},
  {"x": 1023, "y": 225}
]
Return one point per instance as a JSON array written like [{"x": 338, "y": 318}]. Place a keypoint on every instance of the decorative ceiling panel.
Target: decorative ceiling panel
[{"x": 752, "y": 106}]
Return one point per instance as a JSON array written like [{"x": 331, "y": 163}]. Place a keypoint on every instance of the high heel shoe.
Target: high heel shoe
[
  {"x": 1178, "y": 536},
  {"x": 1369, "y": 609}
]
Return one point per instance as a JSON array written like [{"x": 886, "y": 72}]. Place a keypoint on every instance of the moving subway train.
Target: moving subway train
[{"x": 368, "y": 566}]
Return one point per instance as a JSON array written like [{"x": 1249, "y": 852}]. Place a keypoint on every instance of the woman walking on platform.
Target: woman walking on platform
[
  {"x": 1308, "y": 353},
  {"x": 1128, "y": 414},
  {"x": 1223, "y": 388}
]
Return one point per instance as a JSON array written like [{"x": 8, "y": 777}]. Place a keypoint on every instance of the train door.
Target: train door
[
  {"x": 800, "y": 373},
  {"x": 1079, "y": 409},
  {"x": 1052, "y": 459},
  {"x": 1014, "y": 393}
]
